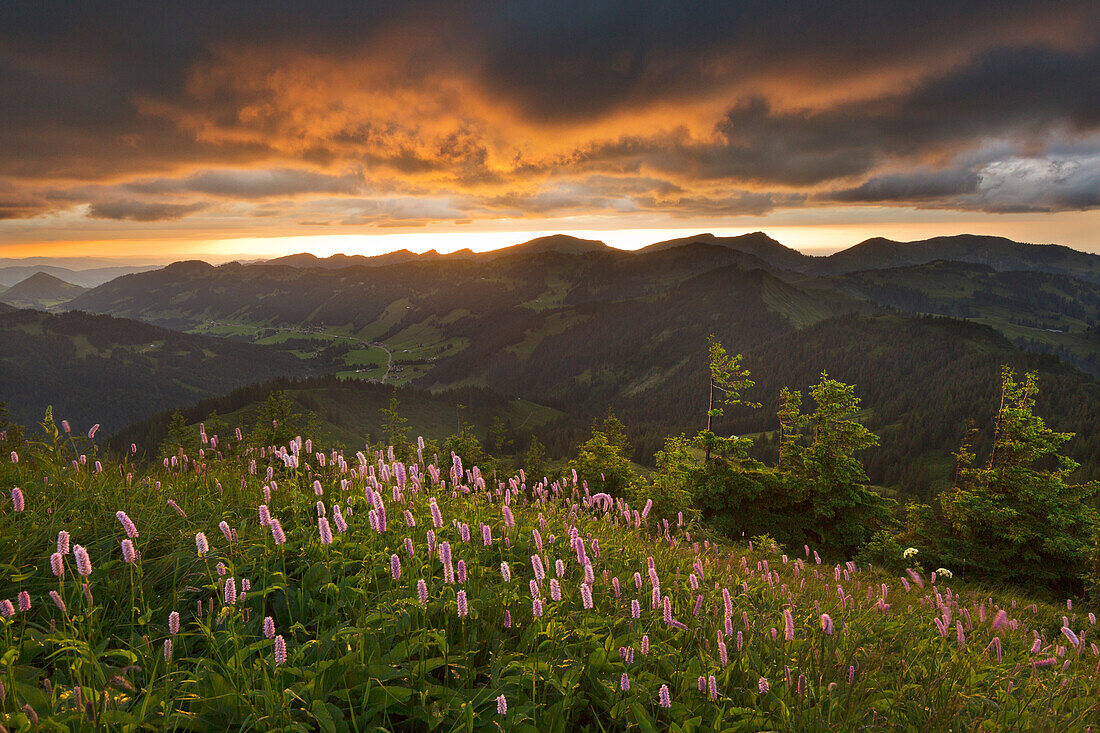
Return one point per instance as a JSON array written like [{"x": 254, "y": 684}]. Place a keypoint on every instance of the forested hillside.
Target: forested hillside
[
  {"x": 580, "y": 327},
  {"x": 99, "y": 369}
]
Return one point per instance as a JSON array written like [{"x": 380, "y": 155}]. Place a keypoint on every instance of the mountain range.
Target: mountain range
[
  {"x": 578, "y": 326},
  {"x": 10, "y": 274}
]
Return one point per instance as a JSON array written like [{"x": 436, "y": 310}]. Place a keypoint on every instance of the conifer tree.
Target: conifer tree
[
  {"x": 1015, "y": 516},
  {"x": 823, "y": 467}
]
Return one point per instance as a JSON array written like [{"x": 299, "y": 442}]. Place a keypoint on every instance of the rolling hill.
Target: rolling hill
[
  {"x": 1039, "y": 310},
  {"x": 115, "y": 371},
  {"x": 41, "y": 291},
  {"x": 996, "y": 252}
]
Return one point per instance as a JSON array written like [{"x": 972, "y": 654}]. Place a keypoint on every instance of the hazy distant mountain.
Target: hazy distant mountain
[
  {"x": 5, "y": 308},
  {"x": 757, "y": 244},
  {"x": 997, "y": 252},
  {"x": 338, "y": 261},
  {"x": 12, "y": 274},
  {"x": 42, "y": 291},
  {"x": 115, "y": 371}
]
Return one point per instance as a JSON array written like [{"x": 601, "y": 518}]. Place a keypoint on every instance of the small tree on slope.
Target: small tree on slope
[{"x": 1014, "y": 517}]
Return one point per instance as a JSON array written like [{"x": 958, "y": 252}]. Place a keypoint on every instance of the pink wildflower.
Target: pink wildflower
[
  {"x": 462, "y": 609},
  {"x": 280, "y": 651},
  {"x": 762, "y": 685},
  {"x": 56, "y": 598},
  {"x": 230, "y": 591},
  {"x": 502, "y": 705},
  {"x": 83, "y": 562},
  {"x": 662, "y": 694},
  {"x": 201, "y": 544},
  {"x": 422, "y": 591},
  {"x": 269, "y": 627},
  {"x": 63, "y": 542},
  {"x": 174, "y": 622},
  {"x": 24, "y": 601},
  {"x": 395, "y": 567},
  {"x": 129, "y": 554},
  {"x": 325, "y": 531},
  {"x": 277, "y": 532},
  {"x": 57, "y": 564},
  {"x": 227, "y": 533},
  {"x": 18, "y": 503}
]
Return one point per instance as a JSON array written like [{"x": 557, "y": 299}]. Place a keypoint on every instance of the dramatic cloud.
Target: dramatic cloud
[
  {"x": 236, "y": 115},
  {"x": 251, "y": 184},
  {"x": 139, "y": 211}
]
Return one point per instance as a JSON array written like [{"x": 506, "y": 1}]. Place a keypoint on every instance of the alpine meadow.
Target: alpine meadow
[{"x": 550, "y": 367}]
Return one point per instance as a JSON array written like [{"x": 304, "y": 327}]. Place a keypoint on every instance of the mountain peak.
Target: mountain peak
[
  {"x": 41, "y": 290},
  {"x": 556, "y": 243},
  {"x": 759, "y": 244}
]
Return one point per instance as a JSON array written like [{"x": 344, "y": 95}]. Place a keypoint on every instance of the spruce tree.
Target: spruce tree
[{"x": 1015, "y": 516}]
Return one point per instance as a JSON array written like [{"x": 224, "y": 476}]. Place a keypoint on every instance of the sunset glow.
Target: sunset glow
[{"x": 441, "y": 126}]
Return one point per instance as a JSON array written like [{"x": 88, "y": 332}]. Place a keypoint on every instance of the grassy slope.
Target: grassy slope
[
  {"x": 364, "y": 653},
  {"x": 347, "y": 413},
  {"x": 347, "y": 416}
]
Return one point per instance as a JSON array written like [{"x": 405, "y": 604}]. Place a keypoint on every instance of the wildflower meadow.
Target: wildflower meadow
[{"x": 298, "y": 588}]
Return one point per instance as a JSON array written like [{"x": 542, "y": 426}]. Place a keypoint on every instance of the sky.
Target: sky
[{"x": 155, "y": 131}]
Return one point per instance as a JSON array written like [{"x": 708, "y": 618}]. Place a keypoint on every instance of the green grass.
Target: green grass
[{"x": 363, "y": 653}]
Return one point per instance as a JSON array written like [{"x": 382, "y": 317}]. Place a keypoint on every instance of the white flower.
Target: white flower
[
  {"x": 943, "y": 572},
  {"x": 910, "y": 552}
]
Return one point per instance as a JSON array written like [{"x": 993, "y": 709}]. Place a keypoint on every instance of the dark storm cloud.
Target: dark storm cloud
[
  {"x": 921, "y": 185},
  {"x": 1025, "y": 93},
  {"x": 578, "y": 59},
  {"x": 166, "y": 106}
]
